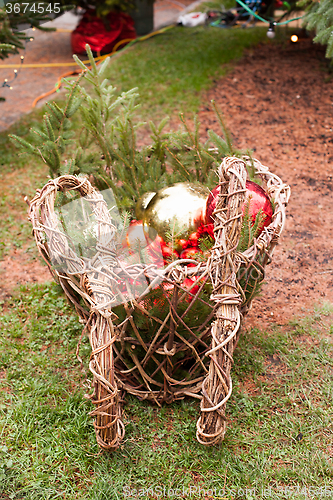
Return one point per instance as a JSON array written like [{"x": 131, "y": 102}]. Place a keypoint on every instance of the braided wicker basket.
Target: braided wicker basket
[{"x": 183, "y": 355}]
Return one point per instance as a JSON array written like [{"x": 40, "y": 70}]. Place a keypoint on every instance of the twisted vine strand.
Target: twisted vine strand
[{"x": 223, "y": 264}]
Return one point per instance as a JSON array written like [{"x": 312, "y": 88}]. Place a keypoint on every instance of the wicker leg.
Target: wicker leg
[
  {"x": 107, "y": 397},
  {"x": 223, "y": 266},
  {"x": 217, "y": 386}
]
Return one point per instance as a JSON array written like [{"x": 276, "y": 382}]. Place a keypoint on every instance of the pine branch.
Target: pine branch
[
  {"x": 230, "y": 151},
  {"x": 319, "y": 17},
  {"x": 250, "y": 229},
  {"x": 106, "y": 144}
]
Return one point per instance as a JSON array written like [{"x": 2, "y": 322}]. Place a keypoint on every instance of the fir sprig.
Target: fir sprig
[
  {"x": 250, "y": 229},
  {"x": 106, "y": 146},
  {"x": 319, "y": 17}
]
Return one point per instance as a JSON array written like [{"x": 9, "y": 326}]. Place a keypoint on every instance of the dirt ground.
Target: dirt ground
[{"x": 279, "y": 102}]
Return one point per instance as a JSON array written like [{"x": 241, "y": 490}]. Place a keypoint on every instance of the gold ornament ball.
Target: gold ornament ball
[
  {"x": 176, "y": 209},
  {"x": 142, "y": 204}
]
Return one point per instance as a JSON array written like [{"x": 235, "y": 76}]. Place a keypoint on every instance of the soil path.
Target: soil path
[{"x": 279, "y": 102}]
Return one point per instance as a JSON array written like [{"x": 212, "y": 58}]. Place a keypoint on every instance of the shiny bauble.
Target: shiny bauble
[
  {"x": 142, "y": 204},
  {"x": 169, "y": 254},
  {"x": 189, "y": 284},
  {"x": 258, "y": 199},
  {"x": 190, "y": 253},
  {"x": 211, "y": 205},
  {"x": 181, "y": 244},
  {"x": 176, "y": 209},
  {"x": 135, "y": 236},
  {"x": 137, "y": 241}
]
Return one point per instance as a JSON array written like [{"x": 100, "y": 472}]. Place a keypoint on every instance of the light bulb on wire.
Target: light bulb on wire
[
  {"x": 7, "y": 83},
  {"x": 294, "y": 38},
  {"x": 271, "y": 30}
]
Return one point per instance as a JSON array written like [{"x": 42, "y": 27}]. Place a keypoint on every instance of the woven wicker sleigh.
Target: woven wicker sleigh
[{"x": 181, "y": 357}]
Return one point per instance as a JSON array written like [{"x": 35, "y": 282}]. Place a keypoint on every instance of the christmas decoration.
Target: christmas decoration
[
  {"x": 169, "y": 254},
  {"x": 176, "y": 211},
  {"x": 206, "y": 229},
  {"x": 102, "y": 34},
  {"x": 146, "y": 249},
  {"x": 168, "y": 342},
  {"x": 258, "y": 201},
  {"x": 150, "y": 250},
  {"x": 190, "y": 253},
  {"x": 135, "y": 236},
  {"x": 191, "y": 286},
  {"x": 172, "y": 339},
  {"x": 142, "y": 204}
]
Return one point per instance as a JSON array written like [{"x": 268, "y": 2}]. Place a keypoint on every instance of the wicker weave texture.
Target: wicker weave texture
[{"x": 175, "y": 354}]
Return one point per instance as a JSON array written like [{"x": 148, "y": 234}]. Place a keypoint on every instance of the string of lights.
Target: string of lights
[
  {"x": 129, "y": 42},
  {"x": 272, "y": 24},
  {"x": 8, "y": 83}
]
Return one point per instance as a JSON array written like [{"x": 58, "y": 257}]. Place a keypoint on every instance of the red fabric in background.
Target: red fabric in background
[{"x": 91, "y": 30}]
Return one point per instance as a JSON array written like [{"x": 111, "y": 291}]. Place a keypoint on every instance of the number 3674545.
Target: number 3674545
[{"x": 38, "y": 7}]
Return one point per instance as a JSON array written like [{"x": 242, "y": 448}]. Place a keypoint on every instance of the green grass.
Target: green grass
[
  {"x": 279, "y": 431},
  {"x": 15, "y": 229},
  {"x": 173, "y": 69},
  {"x": 20, "y": 176}
]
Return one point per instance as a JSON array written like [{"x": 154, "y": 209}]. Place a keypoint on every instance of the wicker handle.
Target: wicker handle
[{"x": 223, "y": 265}]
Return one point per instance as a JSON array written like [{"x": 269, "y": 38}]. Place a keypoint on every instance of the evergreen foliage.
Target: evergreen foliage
[
  {"x": 319, "y": 17},
  {"x": 106, "y": 146},
  {"x": 250, "y": 229},
  {"x": 11, "y": 38}
]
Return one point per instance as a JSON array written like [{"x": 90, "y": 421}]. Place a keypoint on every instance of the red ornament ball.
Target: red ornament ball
[
  {"x": 169, "y": 254},
  {"x": 189, "y": 284},
  {"x": 258, "y": 199},
  {"x": 181, "y": 244},
  {"x": 190, "y": 253},
  {"x": 135, "y": 236}
]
